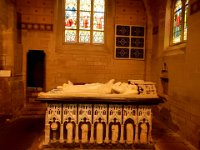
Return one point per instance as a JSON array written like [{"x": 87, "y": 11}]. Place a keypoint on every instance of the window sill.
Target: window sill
[{"x": 177, "y": 49}]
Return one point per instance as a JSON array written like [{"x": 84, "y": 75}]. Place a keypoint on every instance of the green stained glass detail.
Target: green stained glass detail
[
  {"x": 84, "y": 36},
  {"x": 177, "y": 22},
  {"x": 186, "y": 20},
  {"x": 99, "y": 5},
  {"x": 70, "y": 36},
  {"x": 85, "y": 5},
  {"x": 84, "y": 21},
  {"x": 98, "y": 21},
  {"x": 98, "y": 37}
]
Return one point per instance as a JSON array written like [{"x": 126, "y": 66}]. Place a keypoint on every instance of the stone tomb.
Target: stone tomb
[{"x": 93, "y": 119}]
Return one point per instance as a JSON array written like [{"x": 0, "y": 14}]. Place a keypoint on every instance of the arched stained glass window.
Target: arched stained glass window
[
  {"x": 177, "y": 22},
  {"x": 180, "y": 25},
  {"x": 84, "y": 21}
]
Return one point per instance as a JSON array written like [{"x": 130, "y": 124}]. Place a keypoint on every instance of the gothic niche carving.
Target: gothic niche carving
[
  {"x": 143, "y": 131},
  {"x": 69, "y": 130},
  {"x": 129, "y": 131},
  {"x": 84, "y": 130},
  {"x": 100, "y": 130},
  {"x": 114, "y": 131},
  {"x": 54, "y": 130}
]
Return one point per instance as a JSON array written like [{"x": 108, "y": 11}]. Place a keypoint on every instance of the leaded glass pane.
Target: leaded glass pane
[
  {"x": 70, "y": 36},
  {"x": 98, "y": 37},
  {"x": 84, "y": 36},
  {"x": 177, "y": 22},
  {"x": 84, "y": 20},
  {"x": 70, "y": 14},
  {"x": 70, "y": 4},
  {"x": 85, "y": 5},
  {"x": 99, "y": 5},
  {"x": 98, "y": 21},
  {"x": 186, "y": 20}
]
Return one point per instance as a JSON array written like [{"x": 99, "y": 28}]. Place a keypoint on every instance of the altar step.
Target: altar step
[{"x": 34, "y": 110}]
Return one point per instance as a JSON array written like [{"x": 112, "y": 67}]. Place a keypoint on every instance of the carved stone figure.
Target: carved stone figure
[
  {"x": 129, "y": 133},
  {"x": 69, "y": 128},
  {"x": 99, "y": 137},
  {"x": 84, "y": 136},
  {"x": 115, "y": 131},
  {"x": 54, "y": 127},
  {"x": 143, "y": 133}
]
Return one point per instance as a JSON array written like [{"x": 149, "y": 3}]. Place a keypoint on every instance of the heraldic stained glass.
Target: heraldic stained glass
[
  {"x": 84, "y": 21},
  {"x": 177, "y": 22},
  {"x": 70, "y": 20}
]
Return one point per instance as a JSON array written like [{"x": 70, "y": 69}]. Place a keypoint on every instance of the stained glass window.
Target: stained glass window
[
  {"x": 180, "y": 21},
  {"x": 84, "y": 21},
  {"x": 185, "y": 20}
]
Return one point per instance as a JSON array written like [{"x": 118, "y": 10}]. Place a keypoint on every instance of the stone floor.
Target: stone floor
[{"x": 26, "y": 133}]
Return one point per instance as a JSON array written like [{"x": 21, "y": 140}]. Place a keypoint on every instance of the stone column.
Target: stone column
[
  {"x": 92, "y": 134},
  {"x": 61, "y": 133},
  {"x": 76, "y": 135},
  {"x": 122, "y": 134},
  {"x": 149, "y": 139},
  {"x": 107, "y": 134},
  {"x": 136, "y": 133},
  {"x": 47, "y": 134}
]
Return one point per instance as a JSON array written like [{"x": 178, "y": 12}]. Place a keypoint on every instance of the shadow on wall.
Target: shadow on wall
[{"x": 164, "y": 115}]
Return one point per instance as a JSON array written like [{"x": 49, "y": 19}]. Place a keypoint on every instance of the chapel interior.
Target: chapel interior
[{"x": 35, "y": 57}]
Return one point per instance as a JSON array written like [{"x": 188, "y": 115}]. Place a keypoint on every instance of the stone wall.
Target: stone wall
[
  {"x": 81, "y": 63},
  {"x": 11, "y": 88},
  {"x": 182, "y": 107}
]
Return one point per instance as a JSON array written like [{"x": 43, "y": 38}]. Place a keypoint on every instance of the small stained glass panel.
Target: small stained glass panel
[
  {"x": 137, "y": 53},
  {"x": 84, "y": 36},
  {"x": 70, "y": 19},
  {"x": 70, "y": 5},
  {"x": 122, "y": 52},
  {"x": 123, "y": 30},
  {"x": 84, "y": 20},
  {"x": 70, "y": 36},
  {"x": 70, "y": 14},
  {"x": 122, "y": 41},
  {"x": 85, "y": 5},
  {"x": 98, "y": 37},
  {"x": 137, "y": 42},
  {"x": 137, "y": 31},
  {"x": 99, "y": 5},
  {"x": 177, "y": 22},
  {"x": 98, "y": 21}
]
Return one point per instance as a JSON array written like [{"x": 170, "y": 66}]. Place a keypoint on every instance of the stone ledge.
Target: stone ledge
[{"x": 77, "y": 146}]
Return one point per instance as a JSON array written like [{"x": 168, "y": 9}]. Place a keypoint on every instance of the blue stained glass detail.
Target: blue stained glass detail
[
  {"x": 137, "y": 53},
  {"x": 122, "y": 41},
  {"x": 122, "y": 52},
  {"x": 123, "y": 30}
]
